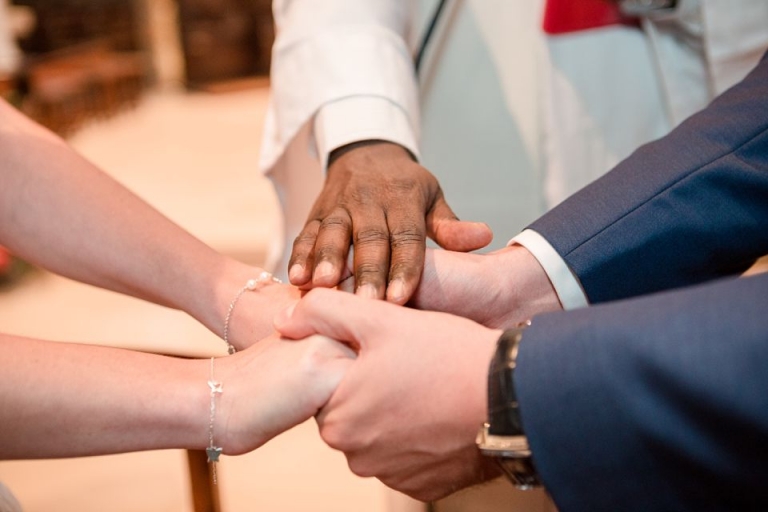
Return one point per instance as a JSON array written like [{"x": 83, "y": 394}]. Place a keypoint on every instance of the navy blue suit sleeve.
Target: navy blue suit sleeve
[
  {"x": 688, "y": 208},
  {"x": 654, "y": 403}
]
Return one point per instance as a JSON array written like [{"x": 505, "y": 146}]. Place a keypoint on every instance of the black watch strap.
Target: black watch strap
[
  {"x": 502, "y": 437},
  {"x": 503, "y": 409}
]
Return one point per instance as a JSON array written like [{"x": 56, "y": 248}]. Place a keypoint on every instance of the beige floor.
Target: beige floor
[{"x": 193, "y": 157}]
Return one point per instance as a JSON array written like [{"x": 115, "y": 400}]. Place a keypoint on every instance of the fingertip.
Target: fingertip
[
  {"x": 397, "y": 292},
  {"x": 483, "y": 233},
  {"x": 463, "y": 236},
  {"x": 325, "y": 275},
  {"x": 297, "y": 274},
  {"x": 367, "y": 291}
]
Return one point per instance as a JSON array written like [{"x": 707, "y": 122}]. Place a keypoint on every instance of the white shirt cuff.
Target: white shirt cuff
[
  {"x": 358, "y": 118},
  {"x": 567, "y": 287}
]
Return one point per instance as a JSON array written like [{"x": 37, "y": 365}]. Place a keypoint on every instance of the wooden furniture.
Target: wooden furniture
[
  {"x": 7, "y": 86},
  {"x": 83, "y": 60},
  {"x": 66, "y": 88},
  {"x": 205, "y": 494},
  {"x": 225, "y": 39}
]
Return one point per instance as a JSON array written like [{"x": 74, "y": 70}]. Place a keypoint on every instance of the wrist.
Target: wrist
[
  {"x": 374, "y": 147},
  {"x": 519, "y": 287},
  {"x": 246, "y": 300},
  {"x": 502, "y": 437},
  {"x": 181, "y": 405}
]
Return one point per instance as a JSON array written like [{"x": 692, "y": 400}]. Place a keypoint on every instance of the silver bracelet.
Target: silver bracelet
[
  {"x": 251, "y": 285},
  {"x": 213, "y": 452}
]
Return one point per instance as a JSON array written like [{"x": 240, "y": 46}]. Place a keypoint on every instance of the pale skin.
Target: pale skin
[
  {"x": 407, "y": 411},
  {"x": 380, "y": 201},
  {"x": 61, "y": 213},
  {"x": 67, "y": 400}
]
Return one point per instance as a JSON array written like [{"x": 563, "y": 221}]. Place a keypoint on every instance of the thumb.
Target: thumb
[
  {"x": 342, "y": 316},
  {"x": 453, "y": 234}
]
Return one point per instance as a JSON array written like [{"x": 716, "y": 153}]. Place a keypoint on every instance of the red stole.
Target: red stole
[{"x": 563, "y": 16}]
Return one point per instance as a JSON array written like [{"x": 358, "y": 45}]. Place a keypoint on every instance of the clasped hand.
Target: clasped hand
[{"x": 407, "y": 410}]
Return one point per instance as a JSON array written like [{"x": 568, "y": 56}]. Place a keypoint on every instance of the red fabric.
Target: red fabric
[
  {"x": 564, "y": 16},
  {"x": 5, "y": 261}
]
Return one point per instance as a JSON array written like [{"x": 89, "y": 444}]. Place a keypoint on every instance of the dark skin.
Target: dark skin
[{"x": 378, "y": 199}]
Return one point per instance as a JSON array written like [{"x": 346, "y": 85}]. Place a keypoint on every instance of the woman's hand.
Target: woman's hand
[
  {"x": 252, "y": 314},
  {"x": 273, "y": 386}
]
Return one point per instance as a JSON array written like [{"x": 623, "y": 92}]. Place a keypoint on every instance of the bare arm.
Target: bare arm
[
  {"x": 64, "y": 400},
  {"x": 60, "y": 212}
]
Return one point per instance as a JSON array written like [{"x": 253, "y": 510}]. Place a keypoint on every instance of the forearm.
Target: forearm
[
  {"x": 67, "y": 400},
  {"x": 61, "y": 400},
  {"x": 60, "y": 212}
]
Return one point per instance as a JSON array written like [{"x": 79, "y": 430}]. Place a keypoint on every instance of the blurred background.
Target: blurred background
[{"x": 168, "y": 96}]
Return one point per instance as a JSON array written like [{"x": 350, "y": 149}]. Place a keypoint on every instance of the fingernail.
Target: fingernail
[
  {"x": 296, "y": 272},
  {"x": 366, "y": 291},
  {"x": 396, "y": 291},
  {"x": 323, "y": 271}
]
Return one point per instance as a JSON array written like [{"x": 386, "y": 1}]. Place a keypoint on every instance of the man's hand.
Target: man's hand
[
  {"x": 498, "y": 290},
  {"x": 407, "y": 411},
  {"x": 383, "y": 203}
]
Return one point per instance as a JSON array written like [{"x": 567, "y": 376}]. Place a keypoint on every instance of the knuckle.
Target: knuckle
[
  {"x": 329, "y": 252},
  {"x": 371, "y": 236},
  {"x": 420, "y": 183},
  {"x": 367, "y": 271},
  {"x": 407, "y": 236},
  {"x": 335, "y": 222},
  {"x": 303, "y": 239}
]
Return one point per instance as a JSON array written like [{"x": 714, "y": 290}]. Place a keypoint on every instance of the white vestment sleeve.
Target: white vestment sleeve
[
  {"x": 361, "y": 118},
  {"x": 337, "y": 50}
]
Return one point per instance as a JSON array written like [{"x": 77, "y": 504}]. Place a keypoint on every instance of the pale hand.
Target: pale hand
[
  {"x": 498, "y": 290},
  {"x": 252, "y": 314},
  {"x": 408, "y": 410},
  {"x": 275, "y": 385}
]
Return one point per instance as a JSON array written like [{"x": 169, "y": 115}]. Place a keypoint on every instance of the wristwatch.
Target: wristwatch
[{"x": 502, "y": 437}]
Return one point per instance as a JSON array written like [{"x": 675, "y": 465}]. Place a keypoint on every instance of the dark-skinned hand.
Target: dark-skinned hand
[{"x": 380, "y": 201}]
